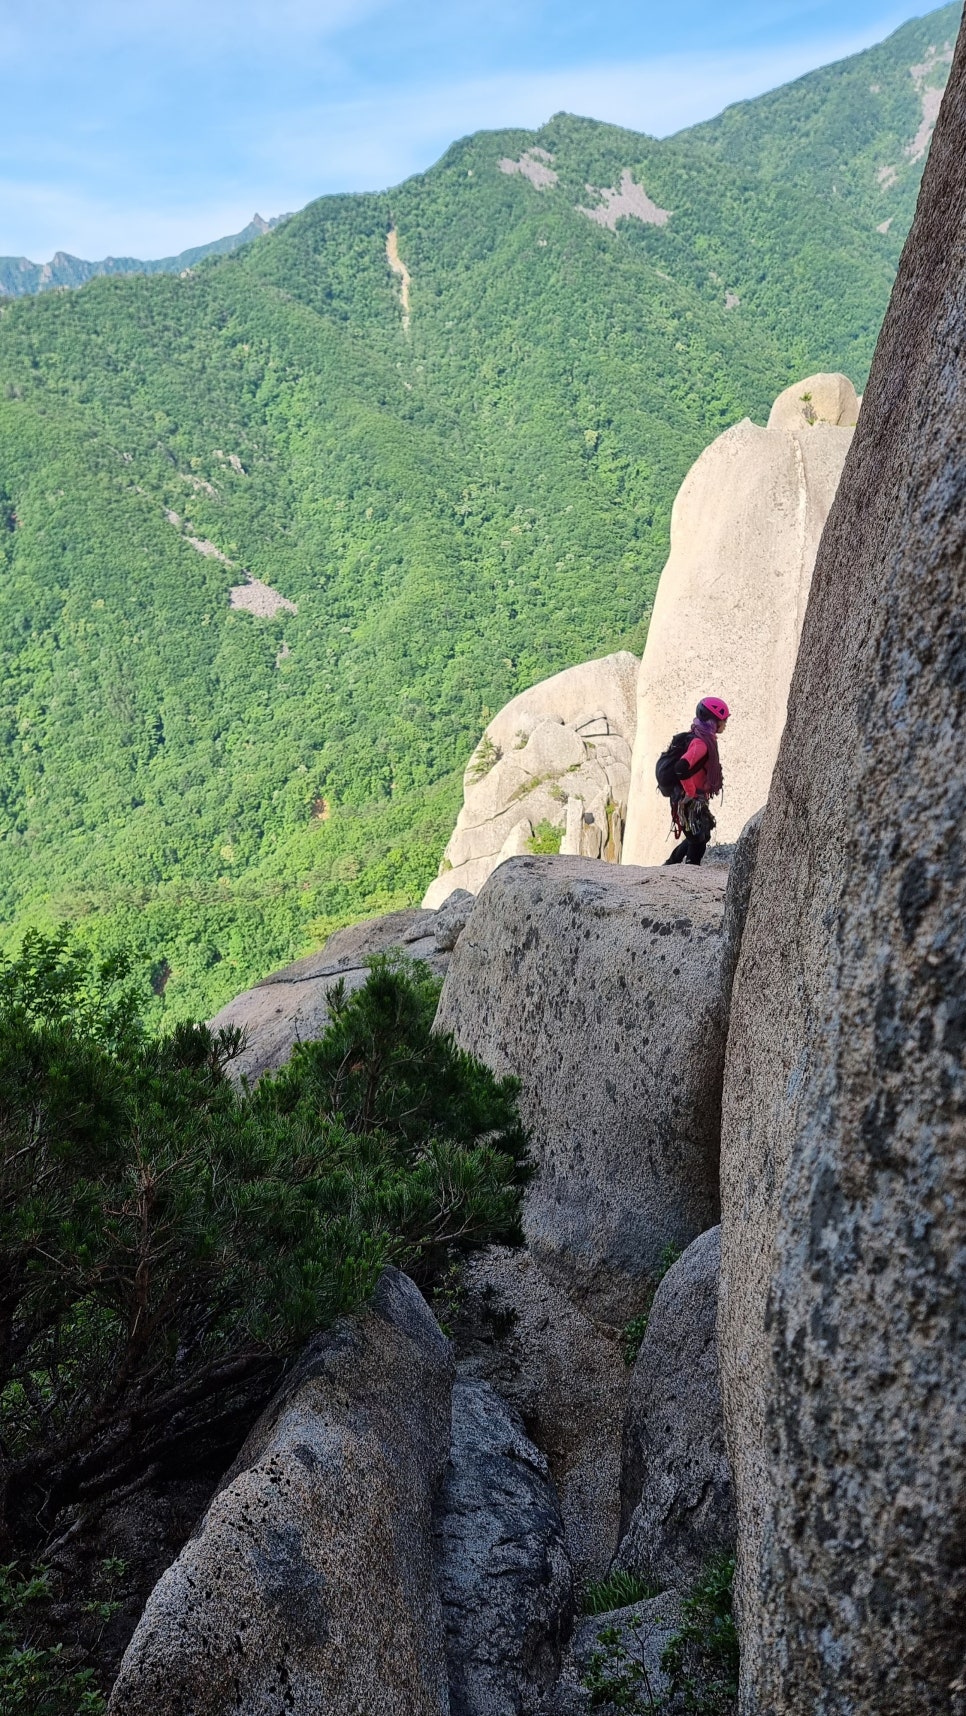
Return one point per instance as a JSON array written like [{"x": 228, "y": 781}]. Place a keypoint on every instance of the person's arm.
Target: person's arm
[{"x": 692, "y": 760}]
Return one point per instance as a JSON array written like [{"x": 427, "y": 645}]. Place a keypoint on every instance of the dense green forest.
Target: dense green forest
[{"x": 457, "y": 502}]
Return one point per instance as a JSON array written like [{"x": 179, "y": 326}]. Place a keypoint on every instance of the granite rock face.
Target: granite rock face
[
  {"x": 728, "y": 614},
  {"x": 559, "y": 754},
  {"x": 291, "y": 1006},
  {"x": 505, "y": 1578},
  {"x": 309, "y": 1587},
  {"x": 451, "y": 920},
  {"x": 600, "y": 988},
  {"x": 741, "y": 874},
  {"x": 844, "y": 1142},
  {"x": 566, "y": 1378},
  {"x": 678, "y": 1498}
]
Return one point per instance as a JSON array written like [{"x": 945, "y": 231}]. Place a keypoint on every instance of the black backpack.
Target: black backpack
[{"x": 668, "y": 779}]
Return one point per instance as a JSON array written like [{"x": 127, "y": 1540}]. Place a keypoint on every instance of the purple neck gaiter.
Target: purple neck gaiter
[{"x": 708, "y": 732}]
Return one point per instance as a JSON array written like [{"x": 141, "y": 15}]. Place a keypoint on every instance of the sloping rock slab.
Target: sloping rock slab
[
  {"x": 308, "y": 1589},
  {"x": 505, "y": 1579},
  {"x": 678, "y": 1497},
  {"x": 566, "y": 1378},
  {"x": 600, "y": 987},
  {"x": 291, "y": 1005}
]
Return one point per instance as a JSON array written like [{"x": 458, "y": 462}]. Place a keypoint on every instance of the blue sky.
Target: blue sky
[{"x": 140, "y": 127}]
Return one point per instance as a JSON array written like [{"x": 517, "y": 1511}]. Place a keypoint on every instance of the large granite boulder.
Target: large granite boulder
[
  {"x": 558, "y": 756},
  {"x": 291, "y": 1006},
  {"x": 678, "y": 1498},
  {"x": 308, "y": 1588},
  {"x": 600, "y": 988},
  {"x": 567, "y": 1379},
  {"x": 728, "y": 613},
  {"x": 821, "y": 399},
  {"x": 505, "y": 1578},
  {"x": 844, "y": 1145}
]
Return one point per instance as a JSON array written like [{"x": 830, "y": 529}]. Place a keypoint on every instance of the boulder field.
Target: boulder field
[
  {"x": 390, "y": 1542},
  {"x": 412, "y": 1525}
]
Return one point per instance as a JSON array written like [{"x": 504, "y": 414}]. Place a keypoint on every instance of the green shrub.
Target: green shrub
[
  {"x": 634, "y": 1333},
  {"x": 449, "y": 1297},
  {"x": 35, "y": 1678},
  {"x": 545, "y": 838},
  {"x": 701, "y": 1661},
  {"x": 168, "y": 1240},
  {"x": 618, "y": 1680},
  {"x": 484, "y": 758}
]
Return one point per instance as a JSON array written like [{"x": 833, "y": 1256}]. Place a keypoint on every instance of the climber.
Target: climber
[{"x": 695, "y": 770}]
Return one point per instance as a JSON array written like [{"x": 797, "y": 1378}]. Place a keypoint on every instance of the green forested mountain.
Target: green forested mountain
[
  {"x": 859, "y": 130},
  {"x": 19, "y": 276},
  {"x": 455, "y": 498}
]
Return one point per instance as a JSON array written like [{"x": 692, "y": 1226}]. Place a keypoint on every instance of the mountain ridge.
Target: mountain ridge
[{"x": 19, "y": 277}]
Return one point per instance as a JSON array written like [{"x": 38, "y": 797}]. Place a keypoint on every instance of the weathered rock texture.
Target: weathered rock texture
[
  {"x": 600, "y": 987},
  {"x": 728, "y": 614},
  {"x": 844, "y": 1146},
  {"x": 741, "y": 874},
  {"x": 309, "y": 1586},
  {"x": 565, "y": 1377},
  {"x": 558, "y": 754},
  {"x": 678, "y": 1499},
  {"x": 505, "y": 1579},
  {"x": 291, "y": 1006}
]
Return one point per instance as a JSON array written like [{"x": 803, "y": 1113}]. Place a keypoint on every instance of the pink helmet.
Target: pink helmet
[{"x": 716, "y": 707}]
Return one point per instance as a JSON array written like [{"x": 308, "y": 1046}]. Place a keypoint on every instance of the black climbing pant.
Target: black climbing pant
[
  {"x": 697, "y": 824},
  {"x": 688, "y": 851}
]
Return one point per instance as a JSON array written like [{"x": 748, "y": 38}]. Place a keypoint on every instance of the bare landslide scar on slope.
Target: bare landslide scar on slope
[{"x": 399, "y": 268}]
